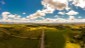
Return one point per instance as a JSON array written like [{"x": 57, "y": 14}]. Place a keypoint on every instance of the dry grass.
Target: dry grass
[{"x": 72, "y": 45}]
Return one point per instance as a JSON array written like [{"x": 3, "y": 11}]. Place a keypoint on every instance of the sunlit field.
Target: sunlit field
[{"x": 42, "y": 36}]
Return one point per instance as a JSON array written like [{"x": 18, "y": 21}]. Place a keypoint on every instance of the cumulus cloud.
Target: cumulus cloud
[
  {"x": 60, "y": 5},
  {"x": 55, "y": 4},
  {"x": 79, "y": 3},
  {"x": 72, "y": 18},
  {"x": 72, "y": 12},
  {"x": 5, "y": 15},
  {"x": 64, "y": 4},
  {"x": 61, "y": 20},
  {"x": 8, "y": 17},
  {"x": 40, "y": 13},
  {"x": 49, "y": 7}
]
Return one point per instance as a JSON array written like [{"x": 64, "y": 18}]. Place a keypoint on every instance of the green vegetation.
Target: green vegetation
[
  {"x": 29, "y": 36},
  {"x": 19, "y": 37},
  {"x": 19, "y": 43},
  {"x": 54, "y": 39}
]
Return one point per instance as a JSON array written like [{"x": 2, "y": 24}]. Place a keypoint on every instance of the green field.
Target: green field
[
  {"x": 29, "y": 36},
  {"x": 54, "y": 39},
  {"x": 16, "y": 36},
  {"x": 19, "y": 43}
]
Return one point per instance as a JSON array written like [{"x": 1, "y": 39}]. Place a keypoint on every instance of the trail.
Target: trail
[{"x": 42, "y": 40}]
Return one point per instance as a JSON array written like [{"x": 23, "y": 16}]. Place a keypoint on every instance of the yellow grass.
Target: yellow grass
[
  {"x": 72, "y": 45},
  {"x": 33, "y": 28}
]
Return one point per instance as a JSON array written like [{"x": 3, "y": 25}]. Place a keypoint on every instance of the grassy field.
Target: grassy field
[
  {"x": 54, "y": 39},
  {"x": 19, "y": 43},
  {"x": 16, "y": 36},
  {"x": 29, "y": 36}
]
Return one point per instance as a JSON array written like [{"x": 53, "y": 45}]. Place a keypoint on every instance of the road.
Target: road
[{"x": 42, "y": 40}]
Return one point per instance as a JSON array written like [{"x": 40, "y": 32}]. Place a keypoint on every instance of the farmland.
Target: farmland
[{"x": 30, "y": 36}]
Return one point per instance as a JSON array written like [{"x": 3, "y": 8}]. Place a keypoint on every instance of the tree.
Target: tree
[{"x": 82, "y": 36}]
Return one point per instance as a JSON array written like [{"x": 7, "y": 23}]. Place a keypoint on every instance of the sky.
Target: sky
[{"x": 42, "y": 11}]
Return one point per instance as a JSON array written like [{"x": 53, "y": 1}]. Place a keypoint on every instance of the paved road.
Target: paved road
[{"x": 42, "y": 40}]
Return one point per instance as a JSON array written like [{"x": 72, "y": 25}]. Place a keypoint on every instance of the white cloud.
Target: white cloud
[
  {"x": 68, "y": 8},
  {"x": 18, "y": 19},
  {"x": 79, "y": 17},
  {"x": 42, "y": 17},
  {"x": 12, "y": 16},
  {"x": 72, "y": 12},
  {"x": 60, "y": 5},
  {"x": 8, "y": 17},
  {"x": 49, "y": 7},
  {"x": 61, "y": 13},
  {"x": 79, "y": 3},
  {"x": 60, "y": 20},
  {"x": 23, "y": 13},
  {"x": 40, "y": 13},
  {"x": 72, "y": 18},
  {"x": 5, "y": 15},
  {"x": 55, "y": 4}
]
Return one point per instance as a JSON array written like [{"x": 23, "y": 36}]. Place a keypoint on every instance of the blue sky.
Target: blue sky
[
  {"x": 20, "y": 6},
  {"x": 25, "y": 8}
]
